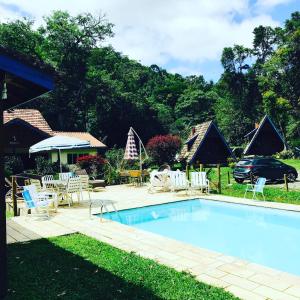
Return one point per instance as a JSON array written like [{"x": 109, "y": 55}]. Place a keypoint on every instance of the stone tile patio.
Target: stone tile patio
[{"x": 244, "y": 279}]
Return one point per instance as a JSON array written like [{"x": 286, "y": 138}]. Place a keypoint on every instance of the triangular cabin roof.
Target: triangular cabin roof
[
  {"x": 206, "y": 145},
  {"x": 266, "y": 140}
]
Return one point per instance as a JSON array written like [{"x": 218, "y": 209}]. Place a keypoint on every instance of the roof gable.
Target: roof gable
[
  {"x": 266, "y": 141},
  {"x": 31, "y": 116},
  {"x": 206, "y": 144}
]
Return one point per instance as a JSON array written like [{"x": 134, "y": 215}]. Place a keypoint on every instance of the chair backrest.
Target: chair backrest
[
  {"x": 65, "y": 176},
  {"x": 134, "y": 173},
  {"x": 198, "y": 179},
  {"x": 84, "y": 182},
  {"x": 37, "y": 184},
  {"x": 74, "y": 185},
  {"x": 47, "y": 178},
  {"x": 260, "y": 184},
  {"x": 45, "y": 182},
  {"x": 81, "y": 172},
  {"x": 31, "y": 189},
  {"x": 124, "y": 173},
  {"x": 28, "y": 199},
  {"x": 178, "y": 179}
]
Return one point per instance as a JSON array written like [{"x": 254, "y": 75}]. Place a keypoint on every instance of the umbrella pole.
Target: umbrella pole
[
  {"x": 141, "y": 167},
  {"x": 59, "y": 157}
]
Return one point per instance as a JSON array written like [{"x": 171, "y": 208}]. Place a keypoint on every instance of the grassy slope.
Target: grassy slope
[{"x": 78, "y": 267}]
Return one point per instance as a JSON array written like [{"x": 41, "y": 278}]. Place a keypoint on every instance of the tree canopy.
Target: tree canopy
[{"x": 104, "y": 92}]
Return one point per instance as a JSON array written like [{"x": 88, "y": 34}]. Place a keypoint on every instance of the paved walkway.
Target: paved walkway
[
  {"x": 244, "y": 279},
  {"x": 20, "y": 232}
]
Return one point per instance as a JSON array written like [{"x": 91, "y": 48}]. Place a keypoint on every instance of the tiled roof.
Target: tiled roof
[
  {"x": 196, "y": 137},
  {"x": 83, "y": 136},
  {"x": 36, "y": 119},
  {"x": 31, "y": 116}
]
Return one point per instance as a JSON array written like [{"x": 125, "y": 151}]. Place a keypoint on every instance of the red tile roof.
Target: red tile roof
[
  {"x": 36, "y": 119},
  {"x": 31, "y": 116}
]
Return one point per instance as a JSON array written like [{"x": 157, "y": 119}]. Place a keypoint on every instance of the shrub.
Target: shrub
[
  {"x": 93, "y": 164},
  {"x": 13, "y": 165},
  {"x": 45, "y": 167},
  {"x": 115, "y": 163},
  {"x": 163, "y": 148},
  {"x": 115, "y": 158},
  {"x": 286, "y": 154}
]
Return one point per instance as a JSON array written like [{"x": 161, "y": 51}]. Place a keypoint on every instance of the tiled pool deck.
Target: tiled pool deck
[{"x": 244, "y": 279}]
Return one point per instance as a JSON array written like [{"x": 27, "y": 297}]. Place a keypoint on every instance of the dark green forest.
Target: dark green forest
[{"x": 104, "y": 92}]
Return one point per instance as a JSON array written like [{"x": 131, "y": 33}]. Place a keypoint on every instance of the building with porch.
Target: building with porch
[{"x": 26, "y": 127}]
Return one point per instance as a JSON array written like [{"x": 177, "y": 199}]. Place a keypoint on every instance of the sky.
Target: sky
[{"x": 182, "y": 36}]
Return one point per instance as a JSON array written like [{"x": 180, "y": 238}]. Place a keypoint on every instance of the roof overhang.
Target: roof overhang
[{"x": 24, "y": 81}]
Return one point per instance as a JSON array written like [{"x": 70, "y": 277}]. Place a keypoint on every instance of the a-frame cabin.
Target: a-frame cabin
[
  {"x": 206, "y": 145},
  {"x": 265, "y": 139}
]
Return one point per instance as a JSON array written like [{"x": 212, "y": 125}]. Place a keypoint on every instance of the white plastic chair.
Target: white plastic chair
[
  {"x": 37, "y": 201},
  {"x": 73, "y": 187},
  {"x": 178, "y": 181},
  {"x": 256, "y": 188},
  {"x": 159, "y": 180},
  {"x": 46, "y": 182},
  {"x": 65, "y": 176},
  {"x": 199, "y": 181}
]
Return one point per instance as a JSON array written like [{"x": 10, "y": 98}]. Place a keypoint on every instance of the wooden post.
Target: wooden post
[
  {"x": 201, "y": 167},
  {"x": 187, "y": 171},
  {"x": 286, "y": 182},
  {"x": 14, "y": 195},
  {"x": 228, "y": 177},
  {"x": 219, "y": 180}
]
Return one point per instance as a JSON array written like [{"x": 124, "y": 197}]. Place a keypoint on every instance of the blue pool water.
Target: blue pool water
[{"x": 262, "y": 235}]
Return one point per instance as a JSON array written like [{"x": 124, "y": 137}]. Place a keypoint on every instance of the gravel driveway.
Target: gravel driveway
[{"x": 292, "y": 186}]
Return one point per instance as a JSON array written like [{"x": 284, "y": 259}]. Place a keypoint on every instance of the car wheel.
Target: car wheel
[
  {"x": 291, "y": 177},
  {"x": 239, "y": 180}
]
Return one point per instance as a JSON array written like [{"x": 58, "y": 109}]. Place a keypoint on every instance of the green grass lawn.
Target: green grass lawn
[
  {"x": 79, "y": 267},
  {"x": 9, "y": 214},
  {"x": 277, "y": 194},
  {"x": 292, "y": 162}
]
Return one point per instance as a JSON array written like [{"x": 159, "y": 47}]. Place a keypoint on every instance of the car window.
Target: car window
[
  {"x": 262, "y": 162},
  {"x": 275, "y": 163},
  {"x": 245, "y": 162}
]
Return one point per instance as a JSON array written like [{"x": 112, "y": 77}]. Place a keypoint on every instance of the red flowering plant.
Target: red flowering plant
[
  {"x": 163, "y": 148},
  {"x": 93, "y": 164}
]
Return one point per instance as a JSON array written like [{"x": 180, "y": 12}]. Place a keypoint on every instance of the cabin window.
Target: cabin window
[{"x": 72, "y": 158}]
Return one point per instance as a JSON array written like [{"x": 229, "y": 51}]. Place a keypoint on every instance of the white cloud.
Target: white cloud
[
  {"x": 160, "y": 31},
  {"x": 271, "y": 3}
]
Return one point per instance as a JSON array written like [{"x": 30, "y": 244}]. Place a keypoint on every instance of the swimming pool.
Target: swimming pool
[{"x": 265, "y": 236}]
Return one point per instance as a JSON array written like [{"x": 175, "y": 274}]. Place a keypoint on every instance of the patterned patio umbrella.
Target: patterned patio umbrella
[{"x": 130, "y": 150}]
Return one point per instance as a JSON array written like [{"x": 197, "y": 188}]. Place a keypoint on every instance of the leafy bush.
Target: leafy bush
[
  {"x": 115, "y": 157},
  {"x": 45, "y": 167},
  {"x": 13, "y": 165},
  {"x": 286, "y": 154},
  {"x": 115, "y": 163},
  {"x": 93, "y": 164},
  {"x": 163, "y": 148}
]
